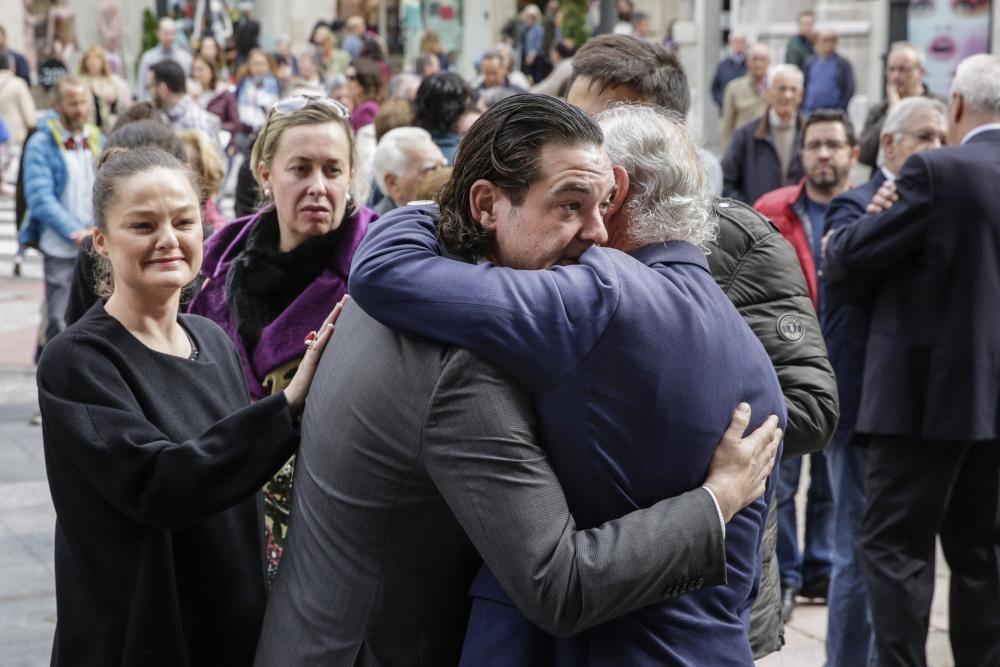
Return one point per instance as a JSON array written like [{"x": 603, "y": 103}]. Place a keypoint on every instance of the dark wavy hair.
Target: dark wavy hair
[
  {"x": 441, "y": 100},
  {"x": 614, "y": 60},
  {"x": 369, "y": 75},
  {"x": 504, "y": 147}
]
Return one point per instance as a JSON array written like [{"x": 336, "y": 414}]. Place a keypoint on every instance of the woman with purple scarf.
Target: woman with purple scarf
[{"x": 271, "y": 278}]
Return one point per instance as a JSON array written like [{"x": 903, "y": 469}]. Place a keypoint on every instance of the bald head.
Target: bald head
[
  {"x": 166, "y": 33},
  {"x": 738, "y": 42},
  {"x": 826, "y": 42},
  {"x": 758, "y": 60}
]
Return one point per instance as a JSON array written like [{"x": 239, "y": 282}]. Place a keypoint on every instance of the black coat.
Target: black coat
[
  {"x": 845, "y": 314},
  {"x": 932, "y": 363},
  {"x": 758, "y": 270},
  {"x": 153, "y": 464},
  {"x": 751, "y": 166},
  {"x": 871, "y": 134}
]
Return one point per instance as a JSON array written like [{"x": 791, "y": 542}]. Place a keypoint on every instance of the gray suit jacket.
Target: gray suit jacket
[{"x": 415, "y": 456}]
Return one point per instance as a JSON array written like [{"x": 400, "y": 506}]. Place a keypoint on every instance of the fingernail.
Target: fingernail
[{"x": 743, "y": 407}]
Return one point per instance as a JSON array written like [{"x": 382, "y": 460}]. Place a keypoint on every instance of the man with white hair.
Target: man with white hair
[
  {"x": 905, "y": 71},
  {"x": 931, "y": 386},
  {"x": 914, "y": 125},
  {"x": 746, "y": 97},
  {"x": 165, "y": 49},
  {"x": 403, "y": 86},
  {"x": 764, "y": 153},
  {"x": 624, "y": 400},
  {"x": 403, "y": 157}
]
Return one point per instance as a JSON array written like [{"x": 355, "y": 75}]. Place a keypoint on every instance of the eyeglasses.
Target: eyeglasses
[
  {"x": 831, "y": 146},
  {"x": 296, "y": 102}
]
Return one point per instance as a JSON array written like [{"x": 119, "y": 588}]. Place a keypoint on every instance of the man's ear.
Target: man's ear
[
  {"x": 390, "y": 184},
  {"x": 957, "y": 108},
  {"x": 483, "y": 199},
  {"x": 621, "y": 191},
  {"x": 887, "y": 142}
]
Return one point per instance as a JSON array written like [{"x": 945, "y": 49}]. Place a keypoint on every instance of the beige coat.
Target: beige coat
[
  {"x": 17, "y": 107},
  {"x": 741, "y": 103}
]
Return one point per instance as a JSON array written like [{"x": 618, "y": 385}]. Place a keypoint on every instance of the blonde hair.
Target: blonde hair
[
  {"x": 431, "y": 43},
  {"x": 208, "y": 165},
  {"x": 94, "y": 51},
  {"x": 244, "y": 71},
  {"x": 324, "y": 34},
  {"x": 315, "y": 112}
]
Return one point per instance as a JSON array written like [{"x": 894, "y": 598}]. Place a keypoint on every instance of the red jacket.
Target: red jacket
[{"x": 779, "y": 206}]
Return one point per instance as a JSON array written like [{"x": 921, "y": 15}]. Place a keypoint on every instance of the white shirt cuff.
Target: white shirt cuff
[{"x": 718, "y": 510}]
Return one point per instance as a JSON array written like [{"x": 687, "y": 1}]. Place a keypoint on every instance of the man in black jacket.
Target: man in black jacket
[
  {"x": 905, "y": 70},
  {"x": 754, "y": 266},
  {"x": 931, "y": 387},
  {"x": 763, "y": 154}
]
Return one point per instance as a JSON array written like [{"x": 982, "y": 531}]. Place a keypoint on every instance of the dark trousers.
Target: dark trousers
[
  {"x": 58, "y": 272},
  {"x": 916, "y": 490}
]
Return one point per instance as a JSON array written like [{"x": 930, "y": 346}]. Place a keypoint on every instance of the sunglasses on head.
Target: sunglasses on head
[{"x": 296, "y": 102}]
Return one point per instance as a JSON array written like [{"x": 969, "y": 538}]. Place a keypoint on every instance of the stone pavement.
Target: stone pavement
[{"x": 27, "y": 519}]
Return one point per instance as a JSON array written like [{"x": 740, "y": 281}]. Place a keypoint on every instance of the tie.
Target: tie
[{"x": 72, "y": 144}]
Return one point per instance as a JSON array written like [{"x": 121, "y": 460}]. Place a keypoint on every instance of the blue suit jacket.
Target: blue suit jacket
[
  {"x": 845, "y": 314},
  {"x": 932, "y": 363},
  {"x": 634, "y": 364}
]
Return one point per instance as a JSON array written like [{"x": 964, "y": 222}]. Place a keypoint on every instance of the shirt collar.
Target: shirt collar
[
  {"x": 66, "y": 134},
  {"x": 889, "y": 176},
  {"x": 670, "y": 252},
  {"x": 776, "y": 122},
  {"x": 988, "y": 127}
]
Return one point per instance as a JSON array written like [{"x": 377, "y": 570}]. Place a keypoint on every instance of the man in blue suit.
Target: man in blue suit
[
  {"x": 914, "y": 125},
  {"x": 628, "y": 353},
  {"x": 930, "y": 396}
]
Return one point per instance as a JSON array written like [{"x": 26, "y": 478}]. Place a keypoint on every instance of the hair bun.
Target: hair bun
[{"x": 110, "y": 153}]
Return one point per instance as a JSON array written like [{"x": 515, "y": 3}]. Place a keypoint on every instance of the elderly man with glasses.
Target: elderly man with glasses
[{"x": 904, "y": 78}]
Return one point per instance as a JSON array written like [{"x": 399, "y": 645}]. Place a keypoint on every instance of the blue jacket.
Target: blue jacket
[
  {"x": 729, "y": 68},
  {"x": 448, "y": 143},
  {"x": 932, "y": 362},
  {"x": 45, "y": 180},
  {"x": 843, "y": 81},
  {"x": 635, "y": 364},
  {"x": 845, "y": 316}
]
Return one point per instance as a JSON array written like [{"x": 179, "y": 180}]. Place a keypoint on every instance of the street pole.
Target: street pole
[{"x": 609, "y": 15}]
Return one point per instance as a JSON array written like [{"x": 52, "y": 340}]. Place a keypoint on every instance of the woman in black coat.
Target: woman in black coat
[{"x": 153, "y": 451}]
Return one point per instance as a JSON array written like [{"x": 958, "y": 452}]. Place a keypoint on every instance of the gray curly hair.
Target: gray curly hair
[{"x": 668, "y": 199}]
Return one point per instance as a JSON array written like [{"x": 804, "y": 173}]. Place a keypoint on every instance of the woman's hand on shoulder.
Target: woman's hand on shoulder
[{"x": 316, "y": 342}]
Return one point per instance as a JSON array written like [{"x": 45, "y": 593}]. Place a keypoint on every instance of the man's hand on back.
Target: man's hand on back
[{"x": 738, "y": 471}]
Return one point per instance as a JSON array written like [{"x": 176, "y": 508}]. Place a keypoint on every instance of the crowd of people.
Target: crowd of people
[{"x": 511, "y": 370}]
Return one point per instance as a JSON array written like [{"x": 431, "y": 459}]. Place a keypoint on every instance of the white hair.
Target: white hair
[
  {"x": 391, "y": 155},
  {"x": 898, "y": 120},
  {"x": 668, "y": 199},
  {"x": 400, "y": 83},
  {"x": 977, "y": 80},
  {"x": 785, "y": 68}
]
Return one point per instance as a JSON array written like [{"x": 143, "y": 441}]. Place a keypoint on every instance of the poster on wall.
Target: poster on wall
[
  {"x": 443, "y": 17},
  {"x": 948, "y": 31}
]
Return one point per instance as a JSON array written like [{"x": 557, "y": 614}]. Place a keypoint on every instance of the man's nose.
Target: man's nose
[{"x": 593, "y": 228}]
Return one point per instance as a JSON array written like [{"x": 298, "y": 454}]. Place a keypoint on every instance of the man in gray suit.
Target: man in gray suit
[{"x": 417, "y": 455}]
